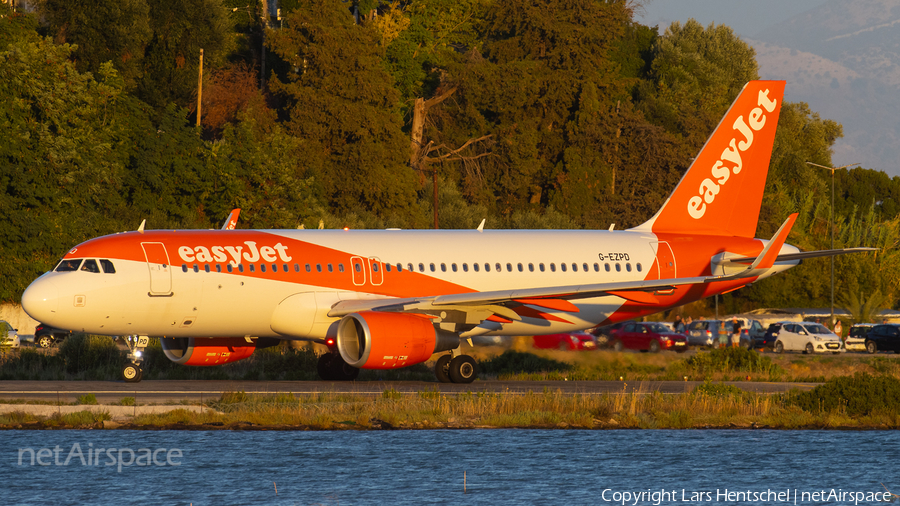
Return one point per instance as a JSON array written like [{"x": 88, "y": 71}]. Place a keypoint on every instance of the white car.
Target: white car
[
  {"x": 12, "y": 338},
  {"x": 808, "y": 338},
  {"x": 856, "y": 337}
]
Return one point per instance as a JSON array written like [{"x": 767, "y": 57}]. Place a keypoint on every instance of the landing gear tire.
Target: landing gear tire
[
  {"x": 132, "y": 373},
  {"x": 331, "y": 367},
  {"x": 45, "y": 341},
  {"x": 323, "y": 367},
  {"x": 442, "y": 368},
  {"x": 463, "y": 369}
]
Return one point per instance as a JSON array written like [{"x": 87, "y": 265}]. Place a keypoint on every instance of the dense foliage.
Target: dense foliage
[
  {"x": 858, "y": 395},
  {"x": 555, "y": 113}
]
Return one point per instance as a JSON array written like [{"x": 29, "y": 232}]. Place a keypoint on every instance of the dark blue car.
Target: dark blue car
[{"x": 884, "y": 337}]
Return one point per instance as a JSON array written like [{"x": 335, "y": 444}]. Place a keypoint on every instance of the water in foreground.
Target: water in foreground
[{"x": 415, "y": 467}]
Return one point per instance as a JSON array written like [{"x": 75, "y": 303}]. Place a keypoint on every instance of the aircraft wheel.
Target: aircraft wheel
[
  {"x": 463, "y": 369},
  {"x": 45, "y": 341},
  {"x": 342, "y": 370},
  {"x": 442, "y": 368},
  {"x": 324, "y": 367},
  {"x": 132, "y": 373}
]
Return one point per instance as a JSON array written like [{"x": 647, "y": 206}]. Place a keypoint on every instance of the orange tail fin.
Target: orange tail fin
[{"x": 721, "y": 192}]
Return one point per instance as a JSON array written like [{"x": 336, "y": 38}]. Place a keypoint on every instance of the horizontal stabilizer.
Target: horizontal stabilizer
[{"x": 790, "y": 257}]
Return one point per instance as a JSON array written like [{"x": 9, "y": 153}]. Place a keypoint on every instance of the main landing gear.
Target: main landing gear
[
  {"x": 132, "y": 372},
  {"x": 458, "y": 369},
  {"x": 332, "y": 367}
]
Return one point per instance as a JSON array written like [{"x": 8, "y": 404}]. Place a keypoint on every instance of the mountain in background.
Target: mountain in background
[{"x": 843, "y": 59}]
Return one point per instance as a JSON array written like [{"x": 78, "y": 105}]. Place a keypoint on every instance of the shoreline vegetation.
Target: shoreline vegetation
[
  {"x": 857, "y": 392},
  {"x": 861, "y": 402}
]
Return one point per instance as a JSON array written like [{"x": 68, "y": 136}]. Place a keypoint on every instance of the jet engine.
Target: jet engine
[
  {"x": 373, "y": 340},
  {"x": 208, "y": 350}
]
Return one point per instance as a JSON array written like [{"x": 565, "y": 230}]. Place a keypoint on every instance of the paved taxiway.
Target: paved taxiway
[{"x": 172, "y": 391}]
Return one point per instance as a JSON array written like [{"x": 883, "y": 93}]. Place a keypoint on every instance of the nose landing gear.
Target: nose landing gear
[{"x": 132, "y": 372}]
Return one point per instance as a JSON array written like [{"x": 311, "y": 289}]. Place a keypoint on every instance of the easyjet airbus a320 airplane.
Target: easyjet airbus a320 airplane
[{"x": 392, "y": 298}]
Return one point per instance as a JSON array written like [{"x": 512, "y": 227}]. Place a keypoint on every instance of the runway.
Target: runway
[{"x": 174, "y": 391}]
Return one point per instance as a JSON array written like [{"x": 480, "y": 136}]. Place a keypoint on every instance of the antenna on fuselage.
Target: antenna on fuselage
[{"x": 141, "y": 228}]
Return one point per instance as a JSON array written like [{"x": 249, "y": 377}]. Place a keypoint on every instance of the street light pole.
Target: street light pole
[{"x": 832, "y": 169}]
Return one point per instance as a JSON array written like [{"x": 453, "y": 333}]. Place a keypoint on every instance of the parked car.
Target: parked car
[
  {"x": 12, "y": 336},
  {"x": 649, "y": 336},
  {"x": 605, "y": 335},
  {"x": 767, "y": 339},
  {"x": 706, "y": 333},
  {"x": 46, "y": 336},
  {"x": 807, "y": 337},
  {"x": 575, "y": 341},
  {"x": 884, "y": 337},
  {"x": 856, "y": 336}
]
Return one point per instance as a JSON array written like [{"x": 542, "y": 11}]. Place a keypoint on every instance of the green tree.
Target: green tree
[
  {"x": 695, "y": 75},
  {"x": 341, "y": 98},
  {"x": 102, "y": 31},
  {"x": 525, "y": 88},
  {"x": 61, "y": 172},
  {"x": 180, "y": 28}
]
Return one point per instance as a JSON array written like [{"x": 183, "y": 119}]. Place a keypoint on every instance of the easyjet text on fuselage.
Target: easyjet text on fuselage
[{"x": 247, "y": 252}]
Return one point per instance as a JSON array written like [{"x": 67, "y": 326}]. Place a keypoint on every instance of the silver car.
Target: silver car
[
  {"x": 12, "y": 337},
  {"x": 707, "y": 332}
]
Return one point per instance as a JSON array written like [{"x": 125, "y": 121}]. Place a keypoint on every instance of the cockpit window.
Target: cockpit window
[
  {"x": 90, "y": 265},
  {"x": 108, "y": 266},
  {"x": 68, "y": 265}
]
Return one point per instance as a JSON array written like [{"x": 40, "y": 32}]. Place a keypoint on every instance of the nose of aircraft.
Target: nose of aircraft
[{"x": 41, "y": 300}]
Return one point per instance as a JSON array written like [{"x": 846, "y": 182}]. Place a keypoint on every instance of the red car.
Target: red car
[
  {"x": 576, "y": 341},
  {"x": 649, "y": 336}
]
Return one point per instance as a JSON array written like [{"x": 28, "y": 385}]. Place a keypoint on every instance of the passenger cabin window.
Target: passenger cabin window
[
  {"x": 107, "y": 266},
  {"x": 68, "y": 265}
]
